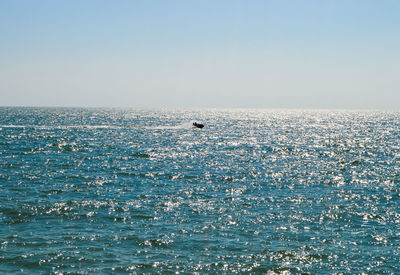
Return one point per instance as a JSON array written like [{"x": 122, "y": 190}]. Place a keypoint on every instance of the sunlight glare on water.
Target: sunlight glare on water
[{"x": 255, "y": 191}]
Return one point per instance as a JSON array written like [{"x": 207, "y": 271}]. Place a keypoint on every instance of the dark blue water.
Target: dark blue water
[{"x": 255, "y": 191}]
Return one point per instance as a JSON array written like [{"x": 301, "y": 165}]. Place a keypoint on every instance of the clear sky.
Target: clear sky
[{"x": 216, "y": 53}]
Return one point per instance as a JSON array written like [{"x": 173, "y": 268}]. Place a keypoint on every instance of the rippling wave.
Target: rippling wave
[{"x": 255, "y": 191}]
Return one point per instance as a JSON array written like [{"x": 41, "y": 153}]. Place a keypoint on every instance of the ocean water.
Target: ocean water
[{"x": 255, "y": 191}]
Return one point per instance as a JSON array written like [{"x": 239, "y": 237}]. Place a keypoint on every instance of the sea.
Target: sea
[{"x": 142, "y": 191}]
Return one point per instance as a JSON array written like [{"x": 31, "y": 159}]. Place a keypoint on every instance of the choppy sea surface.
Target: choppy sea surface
[{"x": 254, "y": 191}]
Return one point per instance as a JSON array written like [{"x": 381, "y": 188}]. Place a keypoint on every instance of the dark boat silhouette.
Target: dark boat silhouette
[{"x": 198, "y": 125}]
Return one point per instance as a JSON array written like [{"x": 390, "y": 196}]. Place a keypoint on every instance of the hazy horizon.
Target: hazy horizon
[{"x": 201, "y": 54}]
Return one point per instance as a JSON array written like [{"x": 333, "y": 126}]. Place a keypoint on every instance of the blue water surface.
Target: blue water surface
[{"x": 255, "y": 191}]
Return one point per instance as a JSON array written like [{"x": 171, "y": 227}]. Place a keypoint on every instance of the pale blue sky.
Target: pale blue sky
[{"x": 265, "y": 54}]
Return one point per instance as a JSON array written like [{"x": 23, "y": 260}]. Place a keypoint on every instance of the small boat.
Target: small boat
[{"x": 198, "y": 125}]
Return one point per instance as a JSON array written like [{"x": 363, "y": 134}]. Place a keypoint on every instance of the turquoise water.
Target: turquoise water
[{"x": 255, "y": 191}]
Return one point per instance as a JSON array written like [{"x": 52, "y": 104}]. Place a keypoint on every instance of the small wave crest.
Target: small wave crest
[{"x": 60, "y": 126}]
